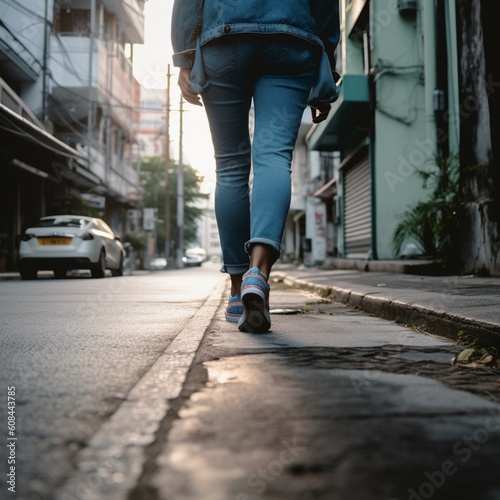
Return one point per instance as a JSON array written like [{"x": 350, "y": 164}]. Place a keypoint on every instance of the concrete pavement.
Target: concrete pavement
[
  {"x": 333, "y": 403},
  {"x": 441, "y": 305}
]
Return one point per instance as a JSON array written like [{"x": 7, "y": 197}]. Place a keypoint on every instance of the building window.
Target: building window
[
  {"x": 74, "y": 21},
  {"x": 327, "y": 162}
]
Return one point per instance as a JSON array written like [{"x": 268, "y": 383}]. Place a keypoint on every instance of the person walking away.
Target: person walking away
[{"x": 271, "y": 53}]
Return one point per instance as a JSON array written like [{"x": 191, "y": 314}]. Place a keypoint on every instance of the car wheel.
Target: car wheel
[
  {"x": 59, "y": 273},
  {"x": 27, "y": 272},
  {"x": 99, "y": 269},
  {"x": 119, "y": 270}
]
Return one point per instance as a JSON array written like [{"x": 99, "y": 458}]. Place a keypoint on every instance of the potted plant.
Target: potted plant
[{"x": 433, "y": 224}]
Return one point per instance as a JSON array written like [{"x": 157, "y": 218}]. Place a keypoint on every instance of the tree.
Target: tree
[
  {"x": 153, "y": 184},
  {"x": 479, "y": 128}
]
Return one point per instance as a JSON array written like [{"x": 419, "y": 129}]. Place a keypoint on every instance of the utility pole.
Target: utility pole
[
  {"x": 180, "y": 196},
  {"x": 167, "y": 168},
  {"x": 90, "y": 117},
  {"x": 45, "y": 57}
]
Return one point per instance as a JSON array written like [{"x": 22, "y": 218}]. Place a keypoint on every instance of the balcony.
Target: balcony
[
  {"x": 12, "y": 101},
  {"x": 347, "y": 115},
  {"x": 16, "y": 60},
  {"x": 130, "y": 14},
  {"x": 123, "y": 179},
  {"x": 111, "y": 82}
]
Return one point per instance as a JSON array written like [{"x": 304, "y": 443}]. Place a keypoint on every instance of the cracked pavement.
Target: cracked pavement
[{"x": 333, "y": 403}]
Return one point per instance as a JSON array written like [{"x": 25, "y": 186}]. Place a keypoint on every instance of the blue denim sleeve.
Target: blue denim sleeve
[
  {"x": 186, "y": 23},
  {"x": 328, "y": 24}
]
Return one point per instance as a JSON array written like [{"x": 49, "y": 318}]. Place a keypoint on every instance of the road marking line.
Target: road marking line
[{"x": 112, "y": 462}]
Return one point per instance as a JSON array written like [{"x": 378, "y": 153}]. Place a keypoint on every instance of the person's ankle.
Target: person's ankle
[
  {"x": 236, "y": 284},
  {"x": 263, "y": 257}
]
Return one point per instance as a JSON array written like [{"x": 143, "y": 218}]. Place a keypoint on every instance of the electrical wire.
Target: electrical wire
[
  {"x": 70, "y": 65},
  {"x": 23, "y": 133},
  {"x": 20, "y": 7},
  {"x": 70, "y": 124},
  {"x": 24, "y": 46},
  {"x": 67, "y": 64}
]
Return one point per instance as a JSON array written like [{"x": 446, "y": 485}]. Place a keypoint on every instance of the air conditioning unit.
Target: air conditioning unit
[{"x": 407, "y": 7}]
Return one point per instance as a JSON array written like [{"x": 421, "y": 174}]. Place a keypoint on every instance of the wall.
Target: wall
[{"x": 402, "y": 143}]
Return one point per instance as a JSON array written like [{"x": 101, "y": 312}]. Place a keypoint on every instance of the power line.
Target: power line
[
  {"x": 19, "y": 6},
  {"x": 20, "y": 132},
  {"x": 24, "y": 46}
]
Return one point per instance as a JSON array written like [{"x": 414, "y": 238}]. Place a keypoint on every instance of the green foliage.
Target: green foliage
[
  {"x": 433, "y": 224},
  {"x": 136, "y": 242},
  {"x": 154, "y": 188},
  {"x": 79, "y": 206},
  {"x": 472, "y": 342}
]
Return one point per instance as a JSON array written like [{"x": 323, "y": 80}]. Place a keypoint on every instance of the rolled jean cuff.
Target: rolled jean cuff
[
  {"x": 262, "y": 241},
  {"x": 235, "y": 268}
]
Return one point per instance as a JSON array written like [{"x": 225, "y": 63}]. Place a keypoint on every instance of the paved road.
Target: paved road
[{"x": 75, "y": 348}]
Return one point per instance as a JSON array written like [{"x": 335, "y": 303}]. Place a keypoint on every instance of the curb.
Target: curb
[
  {"x": 416, "y": 267},
  {"x": 9, "y": 276},
  {"x": 434, "y": 322}
]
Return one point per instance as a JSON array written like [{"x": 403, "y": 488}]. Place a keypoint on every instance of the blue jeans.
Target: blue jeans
[{"x": 276, "y": 73}]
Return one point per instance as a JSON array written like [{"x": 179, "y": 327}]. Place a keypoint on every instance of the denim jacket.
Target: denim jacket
[
  {"x": 196, "y": 22},
  {"x": 316, "y": 21}
]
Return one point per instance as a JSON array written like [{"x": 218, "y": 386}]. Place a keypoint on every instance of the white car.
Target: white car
[{"x": 63, "y": 242}]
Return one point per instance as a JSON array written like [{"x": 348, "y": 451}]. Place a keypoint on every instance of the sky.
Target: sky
[{"x": 151, "y": 61}]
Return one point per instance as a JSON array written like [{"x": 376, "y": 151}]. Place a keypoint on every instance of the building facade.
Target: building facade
[
  {"x": 152, "y": 123},
  {"x": 403, "y": 110},
  {"x": 68, "y": 111}
]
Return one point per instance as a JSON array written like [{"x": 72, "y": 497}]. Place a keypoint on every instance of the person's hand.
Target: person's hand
[
  {"x": 187, "y": 92},
  {"x": 319, "y": 113}
]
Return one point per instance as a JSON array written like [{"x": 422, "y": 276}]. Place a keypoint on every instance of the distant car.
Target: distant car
[
  {"x": 194, "y": 257},
  {"x": 63, "y": 242},
  {"x": 158, "y": 264}
]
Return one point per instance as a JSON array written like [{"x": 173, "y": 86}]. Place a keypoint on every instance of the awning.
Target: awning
[
  {"x": 15, "y": 59},
  {"x": 327, "y": 191},
  {"x": 19, "y": 127},
  {"x": 348, "y": 114}
]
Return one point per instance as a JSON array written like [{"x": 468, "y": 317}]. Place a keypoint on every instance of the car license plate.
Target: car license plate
[{"x": 54, "y": 241}]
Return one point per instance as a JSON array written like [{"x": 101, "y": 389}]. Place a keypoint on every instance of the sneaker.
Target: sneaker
[
  {"x": 255, "y": 298},
  {"x": 234, "y": 309}
]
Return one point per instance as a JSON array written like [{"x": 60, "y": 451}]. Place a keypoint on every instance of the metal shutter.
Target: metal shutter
[{"x": 358, "y": 209}]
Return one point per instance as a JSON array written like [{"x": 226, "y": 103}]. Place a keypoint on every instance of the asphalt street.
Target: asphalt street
[{"x": 75, "y": 349}]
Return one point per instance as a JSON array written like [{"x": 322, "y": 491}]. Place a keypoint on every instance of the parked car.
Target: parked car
[
  {"x": 63, "y": 242},
  {"x": 194, "y": 257}
]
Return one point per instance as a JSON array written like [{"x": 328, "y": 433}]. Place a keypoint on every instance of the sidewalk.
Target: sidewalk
[
  {"x": 332, "y": 404},
  {"x": 440, "y": 305}
]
